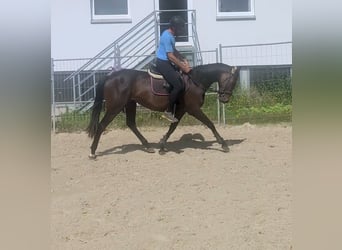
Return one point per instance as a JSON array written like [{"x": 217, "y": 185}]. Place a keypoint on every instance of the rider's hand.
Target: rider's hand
[{"x": 186, "y": 67}]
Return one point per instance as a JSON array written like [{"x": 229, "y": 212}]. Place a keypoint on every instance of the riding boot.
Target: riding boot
[{"x": 169, "y": 114}]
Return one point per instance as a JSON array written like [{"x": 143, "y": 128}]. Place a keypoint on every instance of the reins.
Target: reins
[{"x": 195, "y": 83}]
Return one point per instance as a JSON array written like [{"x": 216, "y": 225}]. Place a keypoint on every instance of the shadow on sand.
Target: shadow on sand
[{"x": 194, "y": 141}]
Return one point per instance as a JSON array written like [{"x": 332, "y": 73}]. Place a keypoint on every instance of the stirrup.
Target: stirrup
[{"x": 169, "y": 117}]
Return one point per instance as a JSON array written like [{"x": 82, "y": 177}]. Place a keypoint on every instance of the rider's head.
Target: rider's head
[{"x": 177, "y": 24}]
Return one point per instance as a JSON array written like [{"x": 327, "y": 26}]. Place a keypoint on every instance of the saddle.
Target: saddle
[
  {"x": 159, "y": 85},
  {"x": 153, "y": 71}
]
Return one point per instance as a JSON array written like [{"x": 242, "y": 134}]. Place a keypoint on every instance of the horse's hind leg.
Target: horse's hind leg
[
  {"x": 131, "y": 110},
  {"x": 108, "y": 117},
  {"x": 179, "y": 114},
  {"x": 199, "y": 115}
]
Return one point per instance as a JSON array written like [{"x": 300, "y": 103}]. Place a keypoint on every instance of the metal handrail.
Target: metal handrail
[
  {"x": 134, "y": 28},
  {"x": 124, "y": 36},
  {"x": 126, "y": 50},
  {"x": 93, "y": 72},
  {"x": 196, "y": 40},
  {"x": 99, "y": 55},
  {"x": 110, "y": 46},
  {"x": 126, "y": 46},
  {"x": 84, "y": 93},
  {"x": 253, "y": 45},
  {"x": 145, "y": 51}
]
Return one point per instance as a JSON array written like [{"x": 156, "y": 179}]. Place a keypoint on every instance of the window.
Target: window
[
  {"x": 235, "y": 9},
  {"x": 110, "y": 11}
]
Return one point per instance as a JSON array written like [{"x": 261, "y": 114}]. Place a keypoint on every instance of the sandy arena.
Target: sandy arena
[{"x": 193, "y": 197}]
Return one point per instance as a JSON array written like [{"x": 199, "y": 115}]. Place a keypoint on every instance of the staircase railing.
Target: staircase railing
[
  {"x": 197, "y": 49},
  {"x": 134, "y": 49}
]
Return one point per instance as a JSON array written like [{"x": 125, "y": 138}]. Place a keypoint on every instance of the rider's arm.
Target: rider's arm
[
  {"x": 182, "y": 64},
  {"x": 178, "y": 55}
]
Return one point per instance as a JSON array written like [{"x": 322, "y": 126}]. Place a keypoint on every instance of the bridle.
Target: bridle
[
  {"x": 221, "y": 93},
  {"x": 228, "y": 92}
]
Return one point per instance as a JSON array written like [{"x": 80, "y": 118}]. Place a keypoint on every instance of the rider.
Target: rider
[{"x": 167, "y": 55}]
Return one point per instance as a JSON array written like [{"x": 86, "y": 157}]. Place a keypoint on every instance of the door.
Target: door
[{"x": 165, "y": 15}]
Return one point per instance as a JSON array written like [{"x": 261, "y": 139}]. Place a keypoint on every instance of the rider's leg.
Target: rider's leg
[{"x": 173, "y": 78}]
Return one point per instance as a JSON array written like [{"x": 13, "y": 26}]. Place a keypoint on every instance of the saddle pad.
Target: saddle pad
[
  {"x": 161, "y": 87},
  {"x": 158, "y": 88}
]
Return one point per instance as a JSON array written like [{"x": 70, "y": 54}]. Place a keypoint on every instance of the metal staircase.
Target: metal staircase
[{"x": 135, "y": 49}]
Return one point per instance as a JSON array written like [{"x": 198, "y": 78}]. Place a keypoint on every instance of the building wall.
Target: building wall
[
  {"x": 73, "y": 35},
  {"x": 273, "y": 23}
]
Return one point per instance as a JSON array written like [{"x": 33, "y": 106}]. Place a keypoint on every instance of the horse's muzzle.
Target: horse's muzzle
[{"x": 224, "y": 98}]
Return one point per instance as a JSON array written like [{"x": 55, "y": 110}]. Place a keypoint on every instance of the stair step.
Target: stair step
[{"x": 135, "y": 49}]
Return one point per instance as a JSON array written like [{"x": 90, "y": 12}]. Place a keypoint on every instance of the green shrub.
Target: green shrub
[{"x": 269, "y": 101}]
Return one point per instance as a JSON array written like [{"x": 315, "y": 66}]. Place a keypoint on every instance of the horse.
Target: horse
[{"x": 122, "y": 90}]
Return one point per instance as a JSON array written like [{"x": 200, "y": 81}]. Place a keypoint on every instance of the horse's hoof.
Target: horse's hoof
[
  {"x": 225, "y": 149},
  {"x": 92, "y": 156},
  {"x": 162, "y": 151},
  {"x": 150, "y": 150}
]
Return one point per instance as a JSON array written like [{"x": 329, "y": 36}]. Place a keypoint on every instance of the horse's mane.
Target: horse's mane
[
  {"x": 208, "y": 68},
  {"x": 208, "y": 73}
]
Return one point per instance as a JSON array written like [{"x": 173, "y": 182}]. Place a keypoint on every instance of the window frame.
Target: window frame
[
  {"x": 235, "y": 15},
  {"x": 124, "y": 18}
]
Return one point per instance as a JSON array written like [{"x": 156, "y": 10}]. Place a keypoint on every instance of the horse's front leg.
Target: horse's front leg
[
  {"x": 179, "y": 114},
  {"x": 199, "y": 115}
]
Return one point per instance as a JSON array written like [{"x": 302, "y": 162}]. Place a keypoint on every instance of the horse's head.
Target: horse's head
[{"x": 227, "y": 84}]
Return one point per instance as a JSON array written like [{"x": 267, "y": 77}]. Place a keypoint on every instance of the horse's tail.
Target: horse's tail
[{"x": 96, "y": 109}]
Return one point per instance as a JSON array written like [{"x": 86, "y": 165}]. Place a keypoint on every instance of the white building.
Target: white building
[
  {"x": 129, "y": 30},
  {"x": 82, "y": 28}
]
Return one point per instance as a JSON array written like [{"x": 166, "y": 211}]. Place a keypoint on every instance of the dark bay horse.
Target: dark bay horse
[{"x": 123, "y": 89}]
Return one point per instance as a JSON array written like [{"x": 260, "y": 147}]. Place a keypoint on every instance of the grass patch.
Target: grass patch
[{"x": 264, "y": 102}]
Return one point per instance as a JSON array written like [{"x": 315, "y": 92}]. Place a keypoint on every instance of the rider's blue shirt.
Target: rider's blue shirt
[{"x": 166, "y": 45}]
